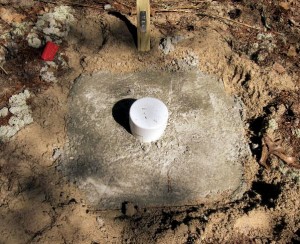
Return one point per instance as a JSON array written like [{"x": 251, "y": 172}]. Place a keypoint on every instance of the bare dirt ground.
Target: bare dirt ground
[{"x": 253, "y": 46}]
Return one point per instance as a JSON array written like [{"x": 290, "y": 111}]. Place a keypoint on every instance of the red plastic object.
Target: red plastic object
[{"x": 50, "y": 51}]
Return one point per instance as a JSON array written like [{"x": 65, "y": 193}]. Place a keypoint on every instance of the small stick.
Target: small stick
[
  {"x": 127, "y": 6},
  {"x": 230, "y": 20},
  {"x": 291, "y": 161},
  {"x": 1, "y": 67},
  {"x": 69, "y": 3},
  {"x": 173, "y": 10},
  {"x": 264, "y": 154}
]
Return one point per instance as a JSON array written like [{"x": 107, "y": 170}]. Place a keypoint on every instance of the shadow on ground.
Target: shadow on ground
[{"x": 120, "y": 112}]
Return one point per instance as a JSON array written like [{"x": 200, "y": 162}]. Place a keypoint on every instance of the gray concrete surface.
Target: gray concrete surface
[{"x": 199, "y": 159}]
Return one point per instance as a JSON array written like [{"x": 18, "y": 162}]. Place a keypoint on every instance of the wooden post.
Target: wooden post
[{"x": 143, "y": 25}]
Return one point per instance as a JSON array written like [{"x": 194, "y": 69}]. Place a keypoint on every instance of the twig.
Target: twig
[
  {"x": 127, "y": 6},
  {"x": 230, "y": 20},
  {"x": 270, "y": 147},
  {"x": 173, "y": 10},
  {"x": 70, "y": 4},
  {"x": 2, "y": 68}
]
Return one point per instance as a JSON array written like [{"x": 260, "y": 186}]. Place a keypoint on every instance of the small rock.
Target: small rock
[
  {"x": 107, "y": 6},
  {"x": 129, "y": 209},
  {"x": 100, "y": 222},
  {"x": 278, "y": 68},
  {"x": 18, "y": 109},
  {"x": 3, "y": 130},
  {"x": 33, "y": 40},
  {"x": 21, "y": 115},
  {"x": 166, "y": 45},
  {"x": 27, "y": 119},
  {"x": 284, "y": 5},
  {"x": 16, "y": 122},
  {"x": 292, "y": 52},
  {"x": 47, "y": 75},
  {"x": 56, "y": 154},
  {"x": 182, "y": 229},
  {"x": 272, "y": 125},
  {"x": 3, "y": 112},
  {"x": 11, "y": 131}
]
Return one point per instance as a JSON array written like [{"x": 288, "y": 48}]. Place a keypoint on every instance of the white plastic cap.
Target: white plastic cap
[{"x": 148, "y": 119}]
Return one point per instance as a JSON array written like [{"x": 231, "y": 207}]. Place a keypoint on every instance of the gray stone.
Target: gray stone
[
  {"x": 199, "y": 159},
  {"x": 166, "y": 45}
]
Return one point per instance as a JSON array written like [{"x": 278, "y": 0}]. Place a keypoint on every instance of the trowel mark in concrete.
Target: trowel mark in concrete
[{"x": 199, "y": 157}]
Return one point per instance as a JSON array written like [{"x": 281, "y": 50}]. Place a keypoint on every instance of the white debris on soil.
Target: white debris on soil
[
  {"x": 19, "y": 29},
  {"x": 62, "y": 63},
  {"x": 3, "y": 112},
  {"x": 21, "y": 115},
  {"x": 56, "y": 154},
  {"x": 296, "y": 132},
  {"x": 100, "y": 222},
  {"x": 47, "y": 72},
  {"x": 167, "y": 44},
  {"x": 55, "y": 25},
  {"x": 107, "y": 6},
  {"x": 266, "y": 44},
  {"x": 272, "y": 125},
  {"x": 189, "y": 62},
  {"x": 34, "y": 40}
]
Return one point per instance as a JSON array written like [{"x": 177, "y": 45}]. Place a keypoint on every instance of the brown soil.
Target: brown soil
[{"x": 258, "y": 63}]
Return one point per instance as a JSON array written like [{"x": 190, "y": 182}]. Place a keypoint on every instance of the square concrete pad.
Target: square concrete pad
[{"x": 199, "y": 158}]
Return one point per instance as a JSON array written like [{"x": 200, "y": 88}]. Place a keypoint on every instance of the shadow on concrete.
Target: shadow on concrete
[
  {"x": 132, "y": 28},
  {"x": 120, "y": 112}
]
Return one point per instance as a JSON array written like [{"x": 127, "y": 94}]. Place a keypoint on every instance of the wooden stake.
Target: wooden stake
[{"x": 143, "y": 25}]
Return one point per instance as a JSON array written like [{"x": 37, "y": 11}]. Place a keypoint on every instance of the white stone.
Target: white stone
[
  {"x": 21, "y": 115},
  {"x": 17, "y": 100},
  {"x": 26, "y": 93},
  {"x": 3, "y": 130},
  {"x": 19, "y": 109},
  {"x": 17, "y": 122},
  {"x": 28, "y": 119},
  {"x": 33, "y": 40},
  {"x": 12, "y": 131},
  {"x": 4, "y": 112},
  {"x": 107, "y": 6}
]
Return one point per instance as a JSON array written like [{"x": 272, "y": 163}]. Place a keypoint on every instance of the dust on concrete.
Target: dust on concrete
[{"x": 38, "y": 204}]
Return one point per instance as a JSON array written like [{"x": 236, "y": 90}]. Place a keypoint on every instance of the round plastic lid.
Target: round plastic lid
[{"x": 149, "y": 113}]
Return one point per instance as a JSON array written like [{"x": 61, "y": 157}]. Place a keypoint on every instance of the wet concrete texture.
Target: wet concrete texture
[{"x": 199, "y": 158}]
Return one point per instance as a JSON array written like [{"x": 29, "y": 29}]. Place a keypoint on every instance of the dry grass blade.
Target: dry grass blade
[
  {"x": 229, "y": 20},
  {"x": 73, "y": 4},
  {"x": 2, "y": 68},
  {"x": 264, "y": 154}
]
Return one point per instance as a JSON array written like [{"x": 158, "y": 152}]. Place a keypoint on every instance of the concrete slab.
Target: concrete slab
[{"x": 198, "y": 159}]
